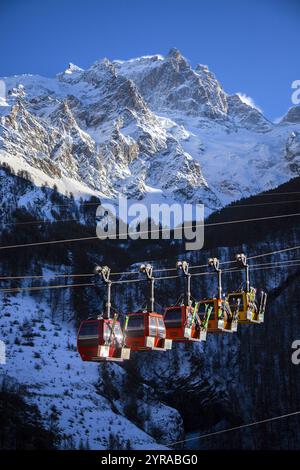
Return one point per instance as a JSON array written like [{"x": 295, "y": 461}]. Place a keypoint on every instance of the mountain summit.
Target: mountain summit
[{"x": 150, "y": 127}]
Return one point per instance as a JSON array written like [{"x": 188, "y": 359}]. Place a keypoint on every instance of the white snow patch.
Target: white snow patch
[{"x": 249, "y": 101}]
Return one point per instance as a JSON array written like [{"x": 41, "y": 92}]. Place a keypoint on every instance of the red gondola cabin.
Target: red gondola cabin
[
  {"x": 182, "y": 321},
  {"x": 183, "y": 324},
  {"x": 101, "y": 340},
  {"x": 146, "y": 331}
]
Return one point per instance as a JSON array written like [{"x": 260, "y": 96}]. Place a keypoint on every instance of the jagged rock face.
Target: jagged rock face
[
  {"x": 24, "y": 136},
  {"x": 292, "y": 116},
  {"x": 293, "y": 152},
  {"x": 144, "y": 126},
  {"x": 171, "y": 84},
  {"x": 247, "y": 117},
  {"x": 93, "y": 126}
]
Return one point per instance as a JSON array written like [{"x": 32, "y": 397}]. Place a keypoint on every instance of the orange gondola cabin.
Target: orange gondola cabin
[
  {"x": 146, "y": 331},
  {"x": 215, "y": 313},
  {"x": 209, "y": 311},
  {"x": 182, "y": 321},
  {"x": 183, "y": 324}
]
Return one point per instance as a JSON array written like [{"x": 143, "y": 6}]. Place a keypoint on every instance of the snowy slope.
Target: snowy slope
[
  {"x": 203, "y": 382},
  {"x": 41, "y": 354}
]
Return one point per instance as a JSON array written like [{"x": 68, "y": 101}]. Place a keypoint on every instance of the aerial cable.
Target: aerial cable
[
  {"x": 39, "y": 221},
  {"x": 128, "y": 281},
  {"x": 160, "y": 230},
  {"x": 279, "y": 194},
  {"x": 271, "y": 267},
  {"x": 259, "y": 204},
  {"x": 235, "y": 428},
  {"x": 46, "y": 276},
  {"x": 2, "y": 278},
  {"x": 61, "y": 286},
  {"x": 274, "y": 252}
]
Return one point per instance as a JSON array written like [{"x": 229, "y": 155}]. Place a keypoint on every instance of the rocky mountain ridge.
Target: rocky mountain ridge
[{"x": 151, "y": 128}]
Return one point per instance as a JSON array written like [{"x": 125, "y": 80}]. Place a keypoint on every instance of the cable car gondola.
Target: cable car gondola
[
  {"x": 251, "y": 310},
  {"x": 182, "y": 321},
  {"x": 145, "y": 330},
  {"x": 102, "y": 339},
  {"x": 215, "y": 312}
]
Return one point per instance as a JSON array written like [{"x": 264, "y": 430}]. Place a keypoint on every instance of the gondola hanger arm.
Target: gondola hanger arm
[
  {"x": 103, "y": 272},
  {"x": 184, "y": 266},
  {"x": 241, "y": 259},
  {"x": 214, "y": 263},
  {"x": 148, "y": 270}
]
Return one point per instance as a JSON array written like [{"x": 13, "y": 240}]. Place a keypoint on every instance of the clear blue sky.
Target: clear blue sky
[{"x": 253, "y": 46}]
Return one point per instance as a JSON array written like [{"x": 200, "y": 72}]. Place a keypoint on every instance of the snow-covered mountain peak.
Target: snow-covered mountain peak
[
  {"x": 170, "y": 85},
  {"x": 104, "y": 67},
  {"x": 292, "y": 116},
  {"x": 174, "y": 53},
  {"x": 71, "y": 74},
  {"x": 178, "y": 61},
  {"x": 247, "y": 116},
  {"x": 144, "y": 126},
  {"x": 72, "y": 68},
  {"x": 202, "y": 68}
]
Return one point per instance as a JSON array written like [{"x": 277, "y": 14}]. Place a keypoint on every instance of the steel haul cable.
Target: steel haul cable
[
  {"x": 275, "y": 252},
  {"x": 35, "y": 288},
  {"x": 160, "y": 230},
  {"x": 260, "y": 204},
  {"x": 235, "y": 428},
  {"x": 128, "y": 281},
  {"x": 50, "y": 276},
  {"x": 279, "y": 194},
  {"x": 37, "y": 222}
]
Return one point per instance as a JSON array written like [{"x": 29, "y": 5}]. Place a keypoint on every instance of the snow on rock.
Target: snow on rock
[
  {"x": 247, "y": 116},
  {"x": 293, "y": 151},
  {"x": 292, "y": 116},
  {"x": 171, "y": 84}
]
